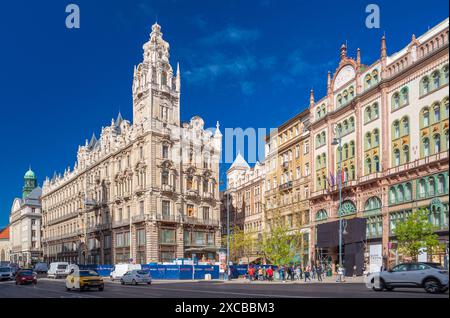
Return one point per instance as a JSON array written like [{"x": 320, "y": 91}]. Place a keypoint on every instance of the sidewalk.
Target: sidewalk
[{"x": 326, "y": 280}]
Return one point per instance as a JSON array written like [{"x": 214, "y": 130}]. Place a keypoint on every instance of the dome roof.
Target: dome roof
[{"x": 30, "y": 174}]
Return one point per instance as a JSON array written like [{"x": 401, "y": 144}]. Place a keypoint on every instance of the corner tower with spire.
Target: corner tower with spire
[
  {"x": 156, "y": 89},
  {"x": 30, "y": 183}
]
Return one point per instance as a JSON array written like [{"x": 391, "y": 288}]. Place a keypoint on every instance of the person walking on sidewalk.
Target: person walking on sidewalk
[
  {"x": 319, "y": 273},
  {"x": 251, "y": 273},
  {"x": 307, "y": 273},
  {"x": 270, "y": 274},
  {"x": 340, "y": 274}
]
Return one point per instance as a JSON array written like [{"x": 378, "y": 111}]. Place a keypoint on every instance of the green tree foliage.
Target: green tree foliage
[
  {"x": 280, "y": 245},
  {"x": 416, "y": 234},
  {"x": 242, "y": 244}
]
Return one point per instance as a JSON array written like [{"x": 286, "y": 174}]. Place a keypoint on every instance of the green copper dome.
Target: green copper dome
[{"x": 30, "y": 174}]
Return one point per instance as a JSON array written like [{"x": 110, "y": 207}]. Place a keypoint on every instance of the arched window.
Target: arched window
[
  {"x": 368, "y": 114},
  {"x": 425, "y": 85},
  {"x": 404, "y": 96},
  {"x": 446, "y": 111},
  {"x": 318, "y": 141},
  {"x": 339, "y": 100},
  {"x": 426, "y": 117},
  {"x": 368, "y": 141},
  {"x": 392, "y": 195},
  {"x": 352, "y": 173},
  {"x": 376, "y": 161},
  {"x": 421, "y": 188},
  {"x": 321, "y": 215},
  {"x": 441, "y": 184},
  {"x": 437, "y": 113},
  {"x": 396, "y": 157},
  {"x": 437, "y": 143},
  {"x": 405, "y": 126},
  {"x": 352, "y": 148},
  {"x": 352, "y": 123},
  {"x": 345, "y": 152},
  {"x": 375, "y": 76},
  {"x": 445, "y": 71},
  {"x": 368, "y": 166},
  {"x": 323, "y": 138},
  {"x": 347, "y": 208},
  {"x": 436, "y": 80},
  {"x": 446, "y": 140},
  {"x": 400, "y": 193},
  {"x": 408, "y": 192},
  {"x": 396, "y": 101},
  {"x": 376, "y": 138},
  {"x": 406, "y": 154},
  {"x": 396, "y": 127},
  {"x": 372, "y": 203},
  {"x": 368, "y": 80},
  {"x": 375, "y": 110},
  {"x": 345, "y": 125},
  {"x": 426, "y": 147},
  {"x": 431, "y": 187}
]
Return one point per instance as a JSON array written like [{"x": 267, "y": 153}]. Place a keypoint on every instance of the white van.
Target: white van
[
  {"x": 120, "y": 269},
  {"x": 58, "y": 269}
]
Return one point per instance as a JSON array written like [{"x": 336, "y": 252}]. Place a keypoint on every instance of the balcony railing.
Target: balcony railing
[
  {"x": 417, "y": 163},
  {"x": 198, "y": 221},
  {"x": 286, "y": 186}
]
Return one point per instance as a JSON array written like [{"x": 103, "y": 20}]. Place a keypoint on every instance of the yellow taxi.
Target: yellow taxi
[{"x": 84, "y": 279}]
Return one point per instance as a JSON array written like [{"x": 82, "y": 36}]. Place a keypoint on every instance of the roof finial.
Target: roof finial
[
  {"x": 311, "y": 98},
  {"x": 358, "y": 56},
  {"x": 383, "y": 46},
  {"x": 343, "y": 51}
]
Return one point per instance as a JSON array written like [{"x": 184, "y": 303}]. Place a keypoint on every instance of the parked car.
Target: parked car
[
  {"x": 430, "y": 276},
  {"x": 58, "y": 269},
  {"x": 41, "y": 268},
  {"x": 6, "y": 273},
  {"x": 120, "y": 269},
  {"x": 136, "y": 277},
  {"x": 84, "y": 279},
  {"x": 26, "y": 276}
]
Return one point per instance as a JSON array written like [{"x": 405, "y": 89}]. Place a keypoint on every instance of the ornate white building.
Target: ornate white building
[
  {"x": 25, "y": 224},
  {"x": 146, "y": 190}
]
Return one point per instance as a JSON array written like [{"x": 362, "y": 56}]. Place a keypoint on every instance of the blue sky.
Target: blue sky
[{"x": 245, "y": 63}]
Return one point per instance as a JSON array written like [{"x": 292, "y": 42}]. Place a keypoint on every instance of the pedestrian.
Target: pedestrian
[
  {"x": 260, "y": 274},
  {"x": 281, "y": 271},
  {"x": 297, "y": 273},
  {"x": 301, "y": 272},
  {"x": 292, "y": 273},
  {"x": 313, "y": 271},
  {"x": 270, "y": 273},
  {"x": 307, "y": 273},
  {"x": 251, "y": 273},
  {"x": 319, "y": 273},
  {"x": 340, "y": 275},
  {"x": 264, "y": 273},
  {"x": 288, "y": 273}
]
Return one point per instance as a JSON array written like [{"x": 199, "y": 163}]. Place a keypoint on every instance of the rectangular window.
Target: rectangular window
[
  {"x": 165, "y": 152},
  {"x": 166, "y": 208},
  {"x": 167, "y": 236},
  {"x": 107, "y": 241},
  {"x": 190, "y": 210},
  {"x": 199, "y": 238},
  {"x": 140, "y": 237},
  {"x": 205, "y": 213},
  {"x": 126, "y": 239},
  {"x": 119, "y": 240},
  {"x": 141, "y": 208},
  {"x": 306, "y": 147}
]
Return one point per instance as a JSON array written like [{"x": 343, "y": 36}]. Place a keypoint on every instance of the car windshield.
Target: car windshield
[
  {"x": 62, "y": 266},
  {"x": 88, "y": 273},
  {"x": 5, "y": 269},
  {"x": 25, "y": 273}
]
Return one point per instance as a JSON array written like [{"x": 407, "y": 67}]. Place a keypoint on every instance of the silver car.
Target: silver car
[
  {"x": 6, "y": 273},
  {"x": 430, "y": 276},
  {"x": 136, "y": 277}
]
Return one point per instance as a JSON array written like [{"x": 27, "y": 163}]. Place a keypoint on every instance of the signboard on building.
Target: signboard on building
[{"x": 375, "y": 258}]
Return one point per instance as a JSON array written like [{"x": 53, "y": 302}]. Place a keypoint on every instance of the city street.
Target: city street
[{"x": 49, "y": 288}]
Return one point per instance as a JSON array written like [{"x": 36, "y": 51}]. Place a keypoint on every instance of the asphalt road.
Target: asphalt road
[{"x": 47, "y": 288}]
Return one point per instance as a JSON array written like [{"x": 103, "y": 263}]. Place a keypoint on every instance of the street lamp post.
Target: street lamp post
[
  {"x": 337, "y": 141},
  {"x": 228, "y": 237}
]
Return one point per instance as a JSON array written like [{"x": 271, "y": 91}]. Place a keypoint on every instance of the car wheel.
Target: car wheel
[
  {"x": 122, "y": 282},
  {"x": 149, "y": 283},
  {"x": 389, "y": 288},
  {"x": 382, "y": 286},
  {"x": 134, "y": 282},
  {"x": 16, "y": 282},
  {"x": 101, "y": 288},
  {"x": 68, "y": 289},
  {"x": 432, "y": 286}
]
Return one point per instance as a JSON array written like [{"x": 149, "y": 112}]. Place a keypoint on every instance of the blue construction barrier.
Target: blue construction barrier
[{"x": 164, "y": 272}]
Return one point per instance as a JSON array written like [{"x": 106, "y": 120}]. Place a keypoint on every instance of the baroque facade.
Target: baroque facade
[
  {"x": 145, "y": 191},
  {"x": 25, "y": 224}
]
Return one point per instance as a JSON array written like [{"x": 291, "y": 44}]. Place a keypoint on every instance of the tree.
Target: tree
[
  {"x": 279, "y": 245},
  {"x": 416, "y": 234},
  {"x": 241, "y": 244}
]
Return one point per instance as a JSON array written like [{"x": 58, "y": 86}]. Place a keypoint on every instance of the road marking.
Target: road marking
[{"x": 222, "y": 293}]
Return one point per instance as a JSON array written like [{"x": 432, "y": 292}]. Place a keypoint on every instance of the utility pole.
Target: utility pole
[{"x": 338, "y": 142}]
